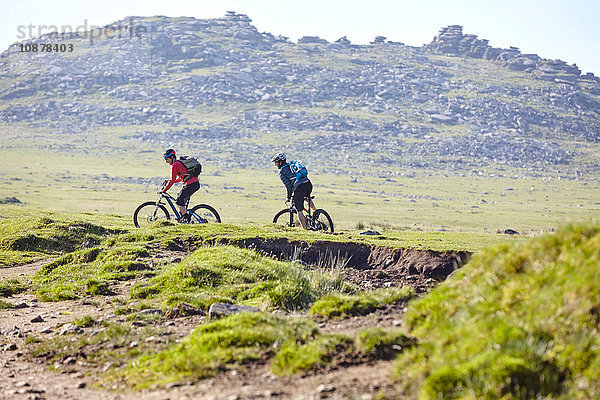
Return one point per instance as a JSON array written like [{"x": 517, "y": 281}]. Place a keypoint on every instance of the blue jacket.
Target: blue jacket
[{"x": 289, "y": 179}]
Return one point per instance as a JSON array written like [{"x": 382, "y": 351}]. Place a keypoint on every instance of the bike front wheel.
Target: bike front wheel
[
  {"x": 204, "y": 214},
  {"x": 285, "y": 217},
  {"x": 148, "y": 213},
  {"x": 322, "y": 221}
]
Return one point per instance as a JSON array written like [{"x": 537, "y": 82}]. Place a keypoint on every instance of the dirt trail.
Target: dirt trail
[{"x": 28, "y": 378}]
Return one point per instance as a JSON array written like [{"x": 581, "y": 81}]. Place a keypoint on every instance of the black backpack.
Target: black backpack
[{"x": 193, "y": 166}]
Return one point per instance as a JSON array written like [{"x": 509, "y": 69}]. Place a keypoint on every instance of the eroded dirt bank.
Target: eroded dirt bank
[{"x": 369, "y": 266}]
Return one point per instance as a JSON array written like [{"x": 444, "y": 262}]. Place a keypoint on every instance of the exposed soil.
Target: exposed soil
[
  {"x": 28, "y": 377},
  {"x": 368, "y": 266}
]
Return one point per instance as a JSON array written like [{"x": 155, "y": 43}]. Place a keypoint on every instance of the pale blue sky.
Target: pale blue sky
[{"x": 563, "y": 29}]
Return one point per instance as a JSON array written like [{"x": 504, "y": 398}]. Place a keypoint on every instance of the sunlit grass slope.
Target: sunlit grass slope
[{"x": 518, "y": 322}]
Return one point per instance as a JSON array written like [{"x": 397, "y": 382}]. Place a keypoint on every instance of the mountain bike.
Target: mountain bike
[
  {"x": 317, "y": 221},
  {"x": 151, "y": 211}
]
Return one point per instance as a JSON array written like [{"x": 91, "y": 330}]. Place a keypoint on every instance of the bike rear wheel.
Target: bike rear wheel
[
  {"x": 148, "y": 213},
  {"x": 204, "y": 214},
  {"x": 285, "y": 217},
  {"x": 322, "y": 221}
]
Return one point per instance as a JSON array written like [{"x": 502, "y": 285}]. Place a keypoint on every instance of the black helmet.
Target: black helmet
[
  {"x": 278, "y": 157},
  {"x": 169, "y": 153}
]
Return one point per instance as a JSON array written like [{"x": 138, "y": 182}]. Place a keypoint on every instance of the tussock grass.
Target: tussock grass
[
  {"x": 90, "y": 271},
  {"x": 294, "y": 345},
  {"x": 227, "y": 343},
  {"x": 367, "y": 344},
  {"x": 5, "y": 305},
  {"x": 10, "y": 287},
  {"x": 295, "y": 357},
  {"x": 113, "y": 343},
  {"x": 518, "y": 321},
  {"x": 30, "y": 237},
  {"x": 84, "y": 322},
  {"x": 381, "y": 343},
  {"x": 231, "y": 274},
  {"x": 345, "y": 305}
]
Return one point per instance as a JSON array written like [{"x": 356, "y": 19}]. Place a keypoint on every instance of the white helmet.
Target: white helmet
[{"x": 278, "y": 157}]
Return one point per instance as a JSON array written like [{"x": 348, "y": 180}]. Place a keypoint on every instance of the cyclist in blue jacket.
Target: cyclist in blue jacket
[{"x": 298, "y": 186}]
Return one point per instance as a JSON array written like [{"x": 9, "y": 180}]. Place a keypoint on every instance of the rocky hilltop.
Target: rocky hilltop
[{"x": 456, "y": 103}]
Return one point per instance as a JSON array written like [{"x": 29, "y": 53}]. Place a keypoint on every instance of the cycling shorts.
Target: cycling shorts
[
  {"x": 183, "y": 197},
  {"x": 303, "y": 190}
]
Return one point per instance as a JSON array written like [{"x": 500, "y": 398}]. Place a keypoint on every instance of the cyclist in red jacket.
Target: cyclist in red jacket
[{"x": 179, "y": 173}]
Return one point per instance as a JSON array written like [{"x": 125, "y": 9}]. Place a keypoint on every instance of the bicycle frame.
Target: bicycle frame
[
  {"x": 307, "y": 210},
  {"x": 170, "y": 199}
]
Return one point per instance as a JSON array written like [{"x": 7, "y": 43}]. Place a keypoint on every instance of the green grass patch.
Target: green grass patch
[
  {"x": 293, "y": 343},
  {"x": 228, "y": 343},
  {"x": 90, "y": 272},
  {"x": 5, "y": 305},
  {"x": 381, "y": 343},
  {"x": 111, "y": 343},
  {"x": 295, "y": 357},
  {"x": 367, "y": 345},
  {"x": 345, "y": 305},
  {"x": 10, "y": 287},
  {"x": 235, "y": 275},
  {"x": 30, "y": 339},
  {"x": 25, "y": 237},
  {"x": 84, "y": 322},
  {"x": 519, "y": 321}
]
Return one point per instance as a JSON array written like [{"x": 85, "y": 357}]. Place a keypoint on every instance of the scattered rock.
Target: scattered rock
[
  {"x": 322, "y": 388},
  {"x": 218, "y": 310},
  {"x": 10, "y": 200},
  {"x": 107, "y": 365},
  {"x": 151, "y": 311},
  {"x": 70, "y": 329},
  {"x": 38, "y": 319},
  {"x": 370, "y": 233},
  {"x": 510, "y": 232},
  {"x": 182, "y": 310}
]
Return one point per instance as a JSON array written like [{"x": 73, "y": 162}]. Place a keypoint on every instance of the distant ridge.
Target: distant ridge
[{"x": 455, "y": 104}]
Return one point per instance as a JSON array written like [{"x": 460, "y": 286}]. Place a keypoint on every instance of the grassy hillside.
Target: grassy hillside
[{"x": 520, "y": 321}]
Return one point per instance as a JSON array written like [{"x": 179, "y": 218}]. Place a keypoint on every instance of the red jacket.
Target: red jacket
[{"x": 178, "y": 171}]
